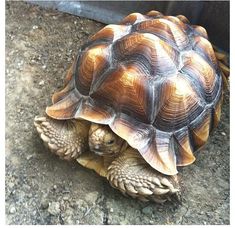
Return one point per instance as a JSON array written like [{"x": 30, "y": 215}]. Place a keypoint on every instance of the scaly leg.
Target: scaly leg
[
  {"x": 133, "y": 176},
  {"x": 66, "y": 138}
]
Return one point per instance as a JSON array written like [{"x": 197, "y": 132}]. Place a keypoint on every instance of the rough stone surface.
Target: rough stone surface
[
  {"x": 54, "y": 208},
  {"x": 40, "y": 45}
]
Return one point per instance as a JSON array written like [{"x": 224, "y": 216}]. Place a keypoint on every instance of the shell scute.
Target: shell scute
[
  {"x": 166, "y": 30},
  {"x": 95, "y": 112},
  {"x": 69, "y": 86},
  {"x": 179, "y": 104},
  {"x": 200, "y": 129},
  {"x": 164, "y": 158},
  {"x": 205, "y": 49},
  {"x": 91, "y": 64},
  {"x": 148, "y": 51},
  {"x": 176, "y": 21},
  {"x": 199, "y": 30},
  {"x": 133, "y": 18},
  {"x": 125, "y": 126},
  {"x": 154, "y": 14},
  {"x": 217, "y": 112},
  {"x": 202, "y": 75},
  {"x": 110, "y": 33},
  {"x": 183, "y": 147},
  {"x": 66, "y": 107},
  {"x": 183, "y": 19},
  {"x": 127, "y": 90}
]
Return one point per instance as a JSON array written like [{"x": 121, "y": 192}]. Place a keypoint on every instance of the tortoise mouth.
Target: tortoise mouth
[
  {"x": 101, "y": 152},
  {"x": 97, "y": 151}
]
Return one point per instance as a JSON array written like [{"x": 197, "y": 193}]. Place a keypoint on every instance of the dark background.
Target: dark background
[{"x": 213, "y": 15}]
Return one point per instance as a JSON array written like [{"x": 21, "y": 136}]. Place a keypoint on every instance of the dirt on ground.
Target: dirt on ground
[{"x": 42, "y": 189}]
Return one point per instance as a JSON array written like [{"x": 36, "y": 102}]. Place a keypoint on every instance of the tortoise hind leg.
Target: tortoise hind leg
[
  {"x": 66, "y": 138},
  {"x": 133, "y": 176}
]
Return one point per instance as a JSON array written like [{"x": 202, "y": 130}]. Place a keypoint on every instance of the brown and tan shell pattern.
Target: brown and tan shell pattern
[{"x": 154, "y": 80}]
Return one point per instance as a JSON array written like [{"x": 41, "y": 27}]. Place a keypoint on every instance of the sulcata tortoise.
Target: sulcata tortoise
[{"x": 140, "y": 98}]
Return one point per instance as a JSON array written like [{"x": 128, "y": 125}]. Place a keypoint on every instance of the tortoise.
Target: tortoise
[{"x": 139, "y": 100}]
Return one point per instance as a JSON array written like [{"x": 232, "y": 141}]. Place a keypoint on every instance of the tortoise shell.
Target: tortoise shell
[{"x": 154, "y": 80}]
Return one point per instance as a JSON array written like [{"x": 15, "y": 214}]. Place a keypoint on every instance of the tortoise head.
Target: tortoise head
[{"x": 104, "y": 142}]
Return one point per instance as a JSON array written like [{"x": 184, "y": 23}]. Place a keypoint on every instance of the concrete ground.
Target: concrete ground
[{"x": 42, "y": 189}]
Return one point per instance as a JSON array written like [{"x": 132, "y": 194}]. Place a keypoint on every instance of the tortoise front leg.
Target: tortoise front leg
[
  {"x": 133, "y": 176},
  {"x": 66, "y": 138}
]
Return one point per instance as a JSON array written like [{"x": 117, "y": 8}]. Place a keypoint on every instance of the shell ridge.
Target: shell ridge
[
  {"x": 183, "y": 147},
  {"x": 67, "y": 107}
]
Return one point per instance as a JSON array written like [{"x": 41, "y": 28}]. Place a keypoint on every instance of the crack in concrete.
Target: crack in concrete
[
  {"x": 183, "y": 216},
  {"x": 104, "y": 205}
]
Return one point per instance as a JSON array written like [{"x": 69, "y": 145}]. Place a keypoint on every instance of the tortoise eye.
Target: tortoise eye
[{"x": 110, "y": 141}]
